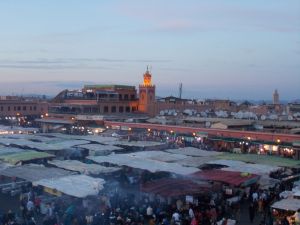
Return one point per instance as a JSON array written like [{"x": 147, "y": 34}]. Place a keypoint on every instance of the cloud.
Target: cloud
[
  {"x": 72, "y": 63},
  {"x": 200, "y": 16}
]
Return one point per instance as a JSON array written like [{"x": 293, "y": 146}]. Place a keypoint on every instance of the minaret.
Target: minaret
[
  {"x": 275, "y": 97},
  {"x": 147, "y": 95}
]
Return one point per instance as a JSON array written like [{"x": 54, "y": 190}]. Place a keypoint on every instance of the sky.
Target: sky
[{"x": 215, "y": 48}]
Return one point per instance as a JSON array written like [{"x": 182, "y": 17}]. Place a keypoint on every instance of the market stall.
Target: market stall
[
  {"x": 24, "y": 156},
  {"x": 83, "y": 168},
  {"x": 139, "y": 162},
  {"x": 79, "y": 186},
  {"x": 169, "y": 187},
  {"x": 100, "y": 149},
  {"x": 286, "y": 208},
  {"x": 229, "y": 177}
]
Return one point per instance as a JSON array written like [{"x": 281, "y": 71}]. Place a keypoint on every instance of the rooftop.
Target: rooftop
[{"x": 108, "y": 86}]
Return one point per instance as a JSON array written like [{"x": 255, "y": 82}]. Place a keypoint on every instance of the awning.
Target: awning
[
  {"x": 34, "y": 172},
  {"x": 25, "y": 156},
  {"x": 289, "y": 204},
  {"x": 55, "y": 121},
  {"x": 229, "y": 177},
  {"x": 79, "y": 186},
  {"x": 175, "y": 187},
  {"x": 226, "y": 139}
]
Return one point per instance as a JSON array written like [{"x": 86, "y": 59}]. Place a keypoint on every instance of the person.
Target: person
[
  {"x": 254, "y": 197},
  {"x": 37, "y": 205},
  {"x": 176, "y": 217},
  {"x": 297, "y": 217},
  {"x": 30, "y": 195},
  {"x": 285, "y": 221},
  {"x": 31, "y": 221},
  {"x": 149, "y": 212},
  {"x": 251, "y": 212},
  {"x": 30, "y": 206},
  {"x": 179, "y": 204},
  {"x": 165, "y": 221},
  {"x": 49, "y": 210},
  {"x": 194, "y": 221},
  {"x": 191, "y": 213}
]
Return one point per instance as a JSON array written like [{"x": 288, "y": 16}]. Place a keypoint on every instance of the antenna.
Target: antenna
[{"x": 180, "y": 90}]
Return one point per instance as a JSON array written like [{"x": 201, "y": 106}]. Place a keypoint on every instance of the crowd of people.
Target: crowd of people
[{"x": 121, "y": 208}]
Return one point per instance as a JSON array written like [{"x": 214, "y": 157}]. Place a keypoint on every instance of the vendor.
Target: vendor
[{"x": 297, "y": 217}]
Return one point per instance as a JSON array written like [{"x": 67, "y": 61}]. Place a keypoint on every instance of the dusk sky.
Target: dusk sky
[{"x": 216, "y": 48}]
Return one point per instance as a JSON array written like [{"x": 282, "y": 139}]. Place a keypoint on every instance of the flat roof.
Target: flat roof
[
  {"x": 235, "y": 123},
  {"x": 112, "y": 86}
]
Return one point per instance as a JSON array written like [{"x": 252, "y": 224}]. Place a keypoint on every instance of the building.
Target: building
[
  {"x": 94, "y": 100},
  {"x": 12, "y": 106},
  {"x": 276, "y": 97},
  {"x": 147, "y": 95},
  {"x": 120, "y": 102}
]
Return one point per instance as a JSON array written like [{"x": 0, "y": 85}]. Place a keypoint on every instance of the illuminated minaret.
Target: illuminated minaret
[
  {"x": 275, "y": 97},
  {"x": 147, "y": 94}
]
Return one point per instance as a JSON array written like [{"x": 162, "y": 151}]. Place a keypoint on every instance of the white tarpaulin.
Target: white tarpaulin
[
  {"x": 190, "y": 151},
  {"x": 83, "y": 168},
  {"x": 79, "y": 186},
  {"x": 139, "y": 144},
  {"x": 233, "y": 165},
  {"x": 34, "y": 172},
  {"x": 158, "y": 155},
  {"x": 96, "y": 138},
  {"x": 9, "y": 150},
  {"x": 289, "y": 204},
  {"x": 99, "y": 149},
  {"x": 49, "y": 145},
  {"x": 151, "y": 165}
]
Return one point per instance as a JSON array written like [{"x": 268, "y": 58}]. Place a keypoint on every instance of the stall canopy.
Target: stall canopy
[
  {"x": 100, "y": 149},
  {"x": 79, "y": 186},
  {"x": 83, "y": 168},
  {"x": 41, "y": 143},
  {"x": 229, "y": 177},
  {"x": 138, "y": 162},
  {"x": 289, "y": 204},
  {"x": 24, "y": 156},
  {"x": 190, "y": 151},
  {"x": 271, "y": 160},
  {"x": 239, "y": 166},
  {"x": 9, "y": 150},
  {"x": 175, "y": 187},
  {"x": 33, "y": 172}
]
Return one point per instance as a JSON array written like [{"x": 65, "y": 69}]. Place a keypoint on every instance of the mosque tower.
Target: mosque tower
[
  {"x": 275, "y": 97},
  {"x": 147, "y": 95}
]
